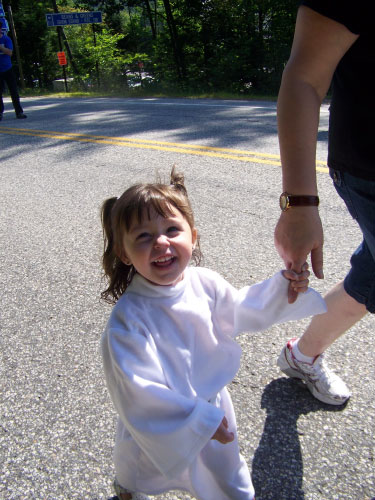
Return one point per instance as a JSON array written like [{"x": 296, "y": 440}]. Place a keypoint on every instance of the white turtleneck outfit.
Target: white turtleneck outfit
[{"x": 168, "y": 353}]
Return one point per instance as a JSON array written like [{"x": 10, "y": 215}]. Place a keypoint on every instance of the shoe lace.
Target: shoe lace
[
  {"x": 323, "y": 372},
  {"x": 319, "y": 371}
]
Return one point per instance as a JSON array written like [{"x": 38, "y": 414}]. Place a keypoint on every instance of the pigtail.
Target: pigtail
[
  {"x": 178, "y": 180},
  {"x": 116, "y": 272},
  {"x": 108, "y": 251}
]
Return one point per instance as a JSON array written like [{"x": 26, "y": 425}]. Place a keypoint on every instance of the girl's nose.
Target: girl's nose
[{"x": 161, "y": 241}]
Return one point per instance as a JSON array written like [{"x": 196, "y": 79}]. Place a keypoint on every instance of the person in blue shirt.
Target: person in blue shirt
[{"x": 7, "y": 75}]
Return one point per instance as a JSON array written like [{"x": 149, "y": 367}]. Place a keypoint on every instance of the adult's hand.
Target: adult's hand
[{"x": 299, "y": 233}]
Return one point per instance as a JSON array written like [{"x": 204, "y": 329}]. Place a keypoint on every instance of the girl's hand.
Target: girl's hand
[
  {"x": 222, "y": 434},
  {"x": 299, "y": 282}
]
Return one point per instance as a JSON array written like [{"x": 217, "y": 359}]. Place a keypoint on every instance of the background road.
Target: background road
[{"x": 57, "y": 422}]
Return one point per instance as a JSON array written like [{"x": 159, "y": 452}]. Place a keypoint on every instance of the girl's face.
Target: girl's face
[{"x": 160, "y": 248}]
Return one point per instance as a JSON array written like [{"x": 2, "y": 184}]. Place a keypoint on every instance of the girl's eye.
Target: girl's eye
[
  {"x": 143, "y": 236},
  {"x": 173, "y": 229}
]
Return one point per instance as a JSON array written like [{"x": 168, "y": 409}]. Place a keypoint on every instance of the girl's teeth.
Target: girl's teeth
[{"x": 164, "y": 260}]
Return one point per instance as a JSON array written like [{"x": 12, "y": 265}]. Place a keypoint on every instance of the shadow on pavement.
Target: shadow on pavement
[{"x": 277, "y": 469}]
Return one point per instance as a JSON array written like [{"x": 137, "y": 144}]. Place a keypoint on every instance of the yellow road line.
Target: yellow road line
[{"x": 192, "y": 149}]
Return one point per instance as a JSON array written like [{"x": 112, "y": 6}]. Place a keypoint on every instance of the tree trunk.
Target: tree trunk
[
  {"x": 177, "y": 50},
  {"x": 149, "y": 14}
]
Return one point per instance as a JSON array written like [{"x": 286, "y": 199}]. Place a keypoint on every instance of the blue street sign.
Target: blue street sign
[{"x": 62, "y": 19}]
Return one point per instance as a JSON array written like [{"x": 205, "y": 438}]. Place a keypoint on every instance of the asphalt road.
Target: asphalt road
[{"x": 57, "y": 422}]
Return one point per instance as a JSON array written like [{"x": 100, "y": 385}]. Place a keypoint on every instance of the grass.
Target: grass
[{"x": 144, "y": 93}]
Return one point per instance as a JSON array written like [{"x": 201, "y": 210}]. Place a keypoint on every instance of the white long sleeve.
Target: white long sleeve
[
  {"x": 262, "y": 305},
  {"x": 257, "y": 307}
]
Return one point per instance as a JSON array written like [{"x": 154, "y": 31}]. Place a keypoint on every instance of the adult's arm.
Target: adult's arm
[
  {"x": 6, "y": 51},
  {"x": 318, "y": 46}
]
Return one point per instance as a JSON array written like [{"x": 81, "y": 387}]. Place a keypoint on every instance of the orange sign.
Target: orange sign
[{"x": 62, "y": 58}]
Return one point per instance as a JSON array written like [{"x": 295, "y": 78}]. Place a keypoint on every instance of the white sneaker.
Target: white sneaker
[{"x": 320, "y": 380}]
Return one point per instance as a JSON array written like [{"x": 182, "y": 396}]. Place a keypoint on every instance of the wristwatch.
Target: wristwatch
[{"x": 297, "y": 200}]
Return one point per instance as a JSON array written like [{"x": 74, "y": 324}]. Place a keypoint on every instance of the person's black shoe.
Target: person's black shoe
[{"x": 21, "y": 116}]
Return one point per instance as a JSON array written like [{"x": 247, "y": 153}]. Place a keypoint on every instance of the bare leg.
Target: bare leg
[{"x": 343, "y": 312}]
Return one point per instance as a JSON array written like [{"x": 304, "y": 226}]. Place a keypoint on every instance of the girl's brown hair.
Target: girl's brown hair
[{"x": 135, "y": 203}]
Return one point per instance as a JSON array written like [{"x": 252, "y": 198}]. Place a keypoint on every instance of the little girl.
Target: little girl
[{"x": 169, "y": 349}]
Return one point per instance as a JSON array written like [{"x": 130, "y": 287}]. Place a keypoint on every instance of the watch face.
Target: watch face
[{"x": 284, "y": 202}]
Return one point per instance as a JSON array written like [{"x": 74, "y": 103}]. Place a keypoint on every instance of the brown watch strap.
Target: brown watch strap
[
  {"x": 303, "y": 200},
  {"x": 295, "y": 200}
]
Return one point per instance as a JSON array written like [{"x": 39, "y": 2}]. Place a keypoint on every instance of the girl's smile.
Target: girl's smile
[
  {"x": 164, "y": 261},
  {"x": 160, "y": 248}
]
